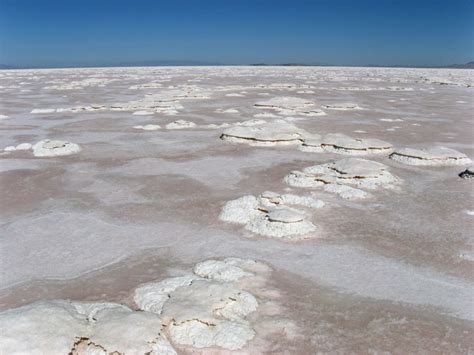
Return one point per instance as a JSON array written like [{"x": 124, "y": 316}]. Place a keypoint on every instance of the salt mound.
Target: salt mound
[
  {"x": 180, "y": 124},
  {"x": 24, "y": 146},
  {"x": 43, "y": 110},
  {"x": 268, "y": 134},
  {"x": 342, "y": 144},
  {"x": 194, "y": 312},
  {"x": 342, "y": 106},
  {"x": 288, "y": 106},
  {"x": 208, "y": 313},
  {"x": 151, "y": 297},
  {"x": 148, "y": 127},
  {"x": 350, "y": 171},
  {"x": 227, "y": 270},
  {"x": 270, "y": 214},
  {"x": 63, "y": 327},
  {"x": 53, "y": 148},
  {"x": 440, "y": 156},
  {"x": 143, "y": 113}
]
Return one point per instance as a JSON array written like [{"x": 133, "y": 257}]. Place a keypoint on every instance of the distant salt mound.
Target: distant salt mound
[
  {"x": 435, "y": 156},
  {"x": 342, "y": 144},
  {"x": 269, "y": 134},
  {"x": 180, "y": 124},
  {"x": 143, "y": 113},
  {"x": 21, "y": 146},
  {"x": 43, "y": 110},
  {"x": 357, "y": 172},
  {"x": 342, "y": 106},
  {"x": 148, "y": 127},
  {"x": 287, "y": 105},
  {"x": 152, "y": 85},
  {"x": 272, "y": 214},
  {"x": 54, "y": 148},
  {"x": 3, "y": 117}
]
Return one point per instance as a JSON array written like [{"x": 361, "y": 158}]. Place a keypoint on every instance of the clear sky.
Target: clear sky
[{"x": 352, "y": 32}]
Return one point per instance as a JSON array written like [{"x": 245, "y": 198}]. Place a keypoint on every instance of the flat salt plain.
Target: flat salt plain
[{"x": 136, "y": 184}]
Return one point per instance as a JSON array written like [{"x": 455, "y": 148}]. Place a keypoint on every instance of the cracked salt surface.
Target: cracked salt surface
[
  {"x": 127, "y": 191},
  {"x": 181, "y": 312}
]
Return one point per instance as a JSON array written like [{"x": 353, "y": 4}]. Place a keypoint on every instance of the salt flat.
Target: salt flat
[{"x": 336, "y": 188}]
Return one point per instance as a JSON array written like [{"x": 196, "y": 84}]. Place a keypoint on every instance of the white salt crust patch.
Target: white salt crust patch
[
  {"x": 54, "y": 148},
  {"x": 180, "y": 124},
  {"x": 63, "y": 327},
  {"x": 335, "y": 176},
  {"x": 271, "y": 214},
  {"x": 265, "y": 134},
  {"x": 288, "y": 106},
  {"x": 148, "y": 127},
  {"x": 346, "y": 106},
  {"x": 342, "y": 144},
  {"x": 436, "y": 156},
  {"x": 208, "y": 309}
]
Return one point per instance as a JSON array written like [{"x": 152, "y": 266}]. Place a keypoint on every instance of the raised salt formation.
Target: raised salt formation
[
  {"x": 342, "y": 106},
  {"x": 148, "y": 127},
  {"x": 350, "y": 171},
  {"x": 227, "y": 270},
  {"x": 180, "y": 124},
  {"x": 152, "y": 85},
  {"x": 468, "y": 173},
  {"x": 54, "y": 148},
  {"x": 208, "y": 309},
  {"x": 440, "y": 156},
  {"x": 24, "y": 146},
  {"x": 143, "y": 113},
  {"x": 77, "y": 109},
  {"x": 151, "y": 297},
  {"x": 3, "y": 117},
  {"x": 269, "y": 134},
  {"x": 43, "y": 110},
  {"x": 270, "y": 214},
  {"x": 290, "y": 106},
  {"x": 208, "y": 313},
  {"x": 80, "y": 84},
  {"x": 211, "y": 310},
  {"x": 63, "y": 327},
  {"x": 342, "y": 144},
  {"x": 346, "y": 192}
]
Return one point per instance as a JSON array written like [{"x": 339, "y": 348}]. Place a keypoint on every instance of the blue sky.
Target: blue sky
[{"x": 352, "y": 32}]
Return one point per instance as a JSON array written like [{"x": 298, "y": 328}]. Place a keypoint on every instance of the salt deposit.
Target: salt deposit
[
  {"x": 430, "y": 156},
  {"x": 54, "y": 148}
]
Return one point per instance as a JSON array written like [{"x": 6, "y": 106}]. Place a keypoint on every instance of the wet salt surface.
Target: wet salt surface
[{"x": 137, "y": 206}]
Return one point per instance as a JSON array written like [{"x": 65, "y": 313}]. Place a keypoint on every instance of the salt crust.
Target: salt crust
[
  {"x": 180, "y": 124},
  {"x": 148, "y": 127},
  {"x": 265, "y": 134},
  {"x": 53, "y": 148},
  {"x": 342, "y": 144},
  {"x": 335, "y": 176},
  {"x": 207, "y": 309},
  {"x": 271, "y": 214},
  {"x": 287, "y": 106},
  {"x": 436, "y": 156}
]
